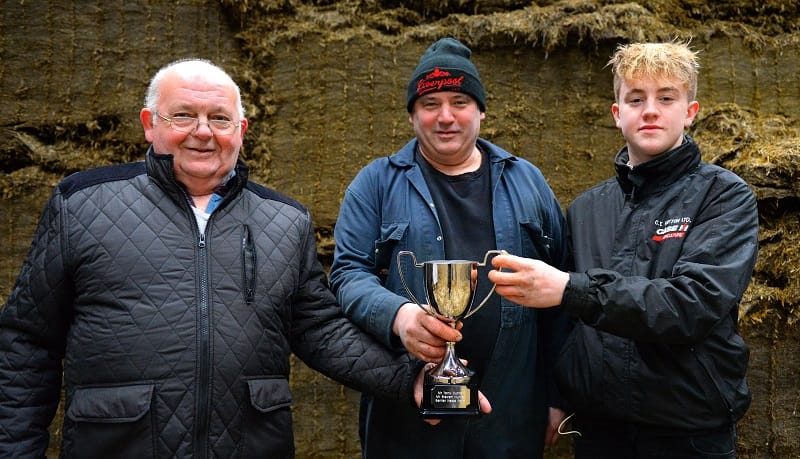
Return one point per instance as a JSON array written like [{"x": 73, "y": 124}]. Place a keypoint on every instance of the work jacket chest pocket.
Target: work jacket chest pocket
[
  {"x": 386, "y": 246},
  {"x": 536, "y": 243}
]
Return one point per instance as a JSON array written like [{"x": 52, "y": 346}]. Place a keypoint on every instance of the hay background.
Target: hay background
[{"x": 324, "y": 83}]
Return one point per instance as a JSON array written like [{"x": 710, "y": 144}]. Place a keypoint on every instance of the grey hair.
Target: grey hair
[{"x": 191, "y": 66}]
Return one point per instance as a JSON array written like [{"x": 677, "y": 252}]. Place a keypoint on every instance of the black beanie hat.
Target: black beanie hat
[{"x": 445, "y": 66}]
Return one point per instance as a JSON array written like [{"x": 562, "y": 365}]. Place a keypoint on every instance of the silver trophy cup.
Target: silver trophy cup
[{"x": 450, "y": 287}]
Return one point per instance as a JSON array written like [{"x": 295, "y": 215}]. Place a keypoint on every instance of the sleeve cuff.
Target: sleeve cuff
[{"x": 577, "y": 300}]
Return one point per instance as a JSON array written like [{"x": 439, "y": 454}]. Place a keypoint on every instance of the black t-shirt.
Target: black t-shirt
[{"x": 464, "y": 205}]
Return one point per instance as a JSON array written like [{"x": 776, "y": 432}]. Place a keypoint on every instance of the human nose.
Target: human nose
[
  {"x": 446, "y": 113},
  {"x": 650, "y": 108},
  {"x": 198, "y": 131}
]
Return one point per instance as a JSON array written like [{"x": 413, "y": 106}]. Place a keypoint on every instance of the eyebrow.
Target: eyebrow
[
  {"x": 445, "y": 95},
  {"x": 662, "y": 90},
  {"x": 182, "y": 107}
]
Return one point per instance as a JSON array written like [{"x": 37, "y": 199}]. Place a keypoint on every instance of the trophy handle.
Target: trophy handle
[
  {"x": 488, "y": 295},
  {"x": 400, "y": 254}
]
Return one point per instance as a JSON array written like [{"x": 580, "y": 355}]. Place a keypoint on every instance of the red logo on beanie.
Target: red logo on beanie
[{"x": 439, "y": 80}]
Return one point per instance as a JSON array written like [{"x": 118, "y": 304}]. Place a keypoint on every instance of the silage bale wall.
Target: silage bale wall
[{"x": 324, "y": 87}]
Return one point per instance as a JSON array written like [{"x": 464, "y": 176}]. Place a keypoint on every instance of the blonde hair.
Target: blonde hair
[{"x": 672, "y": 60}]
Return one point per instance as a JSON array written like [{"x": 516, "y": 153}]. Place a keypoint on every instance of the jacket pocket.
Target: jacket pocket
[
  {"x": 712, "y": 383},
  {"x": 535, "y": 243},
  {"x": 267, "y": 430},
  {"x": 391, "y": 235},
  {"x": 111, "y": 421},
  {"x": 579, "y": 369}
]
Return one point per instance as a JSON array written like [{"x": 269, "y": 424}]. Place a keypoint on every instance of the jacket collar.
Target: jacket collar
[
  {"x": 404, "y": 158},
  {"x": 161, "y": 169},
  {"x": 659, "y": 173}
]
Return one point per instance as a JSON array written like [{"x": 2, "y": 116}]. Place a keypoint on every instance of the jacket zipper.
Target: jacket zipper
[
  {"x": 204, "y": 355},
  {"x": 248, "y": 265}
]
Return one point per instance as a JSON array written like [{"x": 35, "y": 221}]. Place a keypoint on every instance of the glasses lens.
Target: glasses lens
[
  {"x": 184, "y": 123},
  {"x": 222, "y": 126},
  {"x": 190, "y": 123}
]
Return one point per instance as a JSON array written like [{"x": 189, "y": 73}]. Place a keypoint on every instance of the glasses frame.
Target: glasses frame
[{"x": 227, "y": 131}]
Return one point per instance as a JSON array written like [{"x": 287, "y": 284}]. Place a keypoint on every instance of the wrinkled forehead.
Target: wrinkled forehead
[{"x": 188, "y": 89}]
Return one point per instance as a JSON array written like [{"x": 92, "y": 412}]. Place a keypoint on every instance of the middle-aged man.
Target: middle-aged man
[
  {"x": 449, "y": 194},
  {"x": 174, "y": 290}
]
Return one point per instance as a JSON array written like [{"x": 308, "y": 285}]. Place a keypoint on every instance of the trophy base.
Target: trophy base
[{"x": 441, "y": 400}]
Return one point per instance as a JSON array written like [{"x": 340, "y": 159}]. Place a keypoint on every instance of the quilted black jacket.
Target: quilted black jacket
[{"x": 174, "y": 343}]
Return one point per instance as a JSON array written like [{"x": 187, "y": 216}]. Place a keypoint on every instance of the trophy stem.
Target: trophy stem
[{"x": 450, "y": 370}]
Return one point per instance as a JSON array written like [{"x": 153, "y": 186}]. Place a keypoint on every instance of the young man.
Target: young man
[
  {"x": 448, "y": 194},
  {"x": 662, "y": 255}
]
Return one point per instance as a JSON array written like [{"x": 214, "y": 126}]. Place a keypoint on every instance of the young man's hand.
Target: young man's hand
[{"x": 528, "y": 282}]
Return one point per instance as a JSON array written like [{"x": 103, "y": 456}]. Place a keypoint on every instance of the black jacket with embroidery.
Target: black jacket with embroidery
[
  {"x": 662, "y": 254},
  {"x": 175, "y": 344}
]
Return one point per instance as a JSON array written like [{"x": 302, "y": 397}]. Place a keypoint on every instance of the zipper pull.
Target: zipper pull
[{"x": 202, "y": 243}]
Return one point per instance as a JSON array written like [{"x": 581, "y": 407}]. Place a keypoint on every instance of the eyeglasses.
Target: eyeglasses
[{"x": 190, "y": 123}]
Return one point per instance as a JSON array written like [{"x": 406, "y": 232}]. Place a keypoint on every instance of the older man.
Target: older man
[{"x": 174, "y": 290}]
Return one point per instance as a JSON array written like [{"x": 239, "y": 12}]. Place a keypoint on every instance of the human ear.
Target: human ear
[
  {"x": 691, "y": 112},
  {"x": 146, "y": 117}
]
